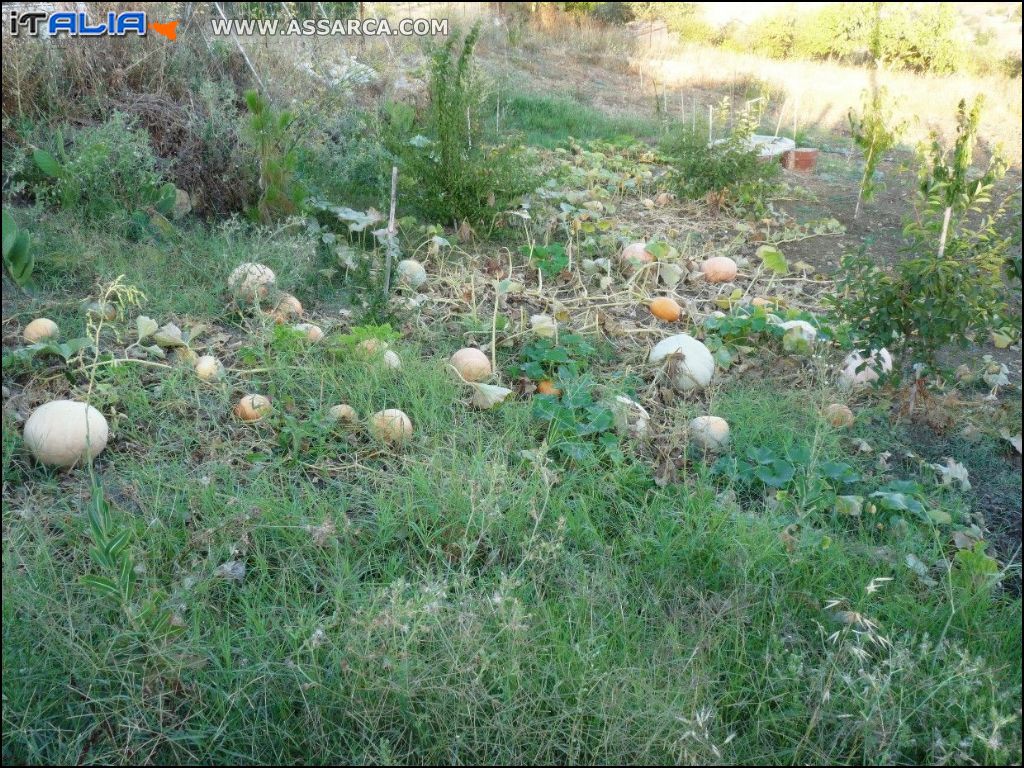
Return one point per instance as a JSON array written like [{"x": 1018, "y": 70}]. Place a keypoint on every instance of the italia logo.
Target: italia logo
[{"x": 79, "y": 24}]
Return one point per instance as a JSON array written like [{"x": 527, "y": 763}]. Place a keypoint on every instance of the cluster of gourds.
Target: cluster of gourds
[
  {"x": 64, "y": 433},
  {"x": 690, "y": 366}
]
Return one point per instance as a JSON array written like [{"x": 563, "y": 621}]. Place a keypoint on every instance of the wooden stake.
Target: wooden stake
[{"x": 391, "y": 231}]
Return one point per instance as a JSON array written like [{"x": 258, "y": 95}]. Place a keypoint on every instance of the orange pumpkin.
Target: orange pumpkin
[
  {"x": 547, "y": 387},
  {"x": 666, "y": 309}
]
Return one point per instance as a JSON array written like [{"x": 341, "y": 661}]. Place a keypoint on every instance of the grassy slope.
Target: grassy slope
[
  {"x": 546, "y": 121},
  {"x": 463, "y": 610}
]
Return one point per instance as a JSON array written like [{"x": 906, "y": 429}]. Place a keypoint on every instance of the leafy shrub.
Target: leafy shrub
[
  {"x": 212, "y": 162},
  {"x": 343, "y": 159},
  {"x": 104, "y": 171},
  {"x": 875, "y": 132},
  {"x": 920, "y": 37},
  {"x": 951, "y": 283},
  {"x": 448, "y": 172},
  {"x": 579, "y": 427},
  {"x": 268, "y": 131},
  {"x": 545, "y": 358},
  {"x": 716, "y": 170}
]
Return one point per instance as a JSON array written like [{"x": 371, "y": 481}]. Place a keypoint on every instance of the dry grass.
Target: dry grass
[{"x": 823, "y": 93}]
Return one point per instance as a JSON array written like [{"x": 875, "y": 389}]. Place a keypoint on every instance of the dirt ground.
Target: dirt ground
[{"x": 611, "y": 87}]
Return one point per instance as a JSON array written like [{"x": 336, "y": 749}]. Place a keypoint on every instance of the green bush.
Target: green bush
[
  {"x": 875, "y": 131},
  {"x": 716, "y": 171},
  {"x": 268, "y": 131},
  {"x": 448, "y": 173},
  {"x": 104, "y": 171},
  {"x": 950, "y": 284},
  {"x": 212, "y": 161},
  {"x": 343, "y": 159},
  {"x": 686, "y": 20},
  {"x": 920, "y": 37}
]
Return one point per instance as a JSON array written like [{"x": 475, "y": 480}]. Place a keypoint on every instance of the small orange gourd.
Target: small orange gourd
[
  {"x": 547, "y": 387},
  {"x": 667, "y": 309}
]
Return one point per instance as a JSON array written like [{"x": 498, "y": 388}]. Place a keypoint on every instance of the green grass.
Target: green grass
[
  {"x": 548, "y": 121},
  {"x": 444, "y": 602},
  {"x": 464, "y": 611}
]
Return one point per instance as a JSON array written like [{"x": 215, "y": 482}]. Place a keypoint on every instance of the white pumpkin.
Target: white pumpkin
[
  {"x": 371, "y": 347},
  {"x": 253, "y": 407},
  {"x": 719, "y": 269},
  {"x": 209, "y": 368},
  {"x": 472, "y": 364},
  {"x": 287, "y": 308},
  {"x": 710, "y": 432},
  {"x": 63, "y": 433},
  {"x": 41, "y": 329},
  {"x": 343, "y": 413},
  {"x": 859, "y": 371},
  {"x": 839, "y": 416},
  {"x": 411, "y": 273},
  {"x": 390, "y": 426},
  {"x": 313, "y": 332},
  {"x": 692, "y": 364},
  {"x": 391, "y": 359},
  {"x": 251, "y": 281}
]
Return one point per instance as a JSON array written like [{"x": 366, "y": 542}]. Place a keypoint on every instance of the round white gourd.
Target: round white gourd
[
  {"x": 839, "y": 416},
  {"x": 287, "y": 307},
  {"x": 693, "y": 364},
  {"x": 807, "y": 330},
  {"x": 391, "y": 359},
  {"x": 799, "y": 336},
  {"x": 41, "y": 329},
  {"x": 344, "y": 413},
  {"x": 253, "y": 407},
  {"x": 710, "y": 432},
  {"x": 859, "y": 371},
  {"x": 391, "y": 426},
  {"x": 251, "y": 281},
  {"x": 719, "y": 269},
  {"x": 209, "y": 368},
  {"x": 371, "y": 347},
  {"x": 411, "y": 273},
  {"x": 63, "y": 433},
  {"x": 472, "y": 364}
]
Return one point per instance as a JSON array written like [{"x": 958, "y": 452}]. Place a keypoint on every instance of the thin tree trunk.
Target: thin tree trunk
[{"x": 945, "y": 232}]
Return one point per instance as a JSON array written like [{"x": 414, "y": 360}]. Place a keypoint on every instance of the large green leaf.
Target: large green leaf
[
  {"x": 773, "y": 259},
  {"x": 19, "y": 259},
  {"x": 10, "y": 232},
  {"x": 165, "y": 199},
  {"x": 47, "y": 163},
  {"x": 776, "y": 474}
]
